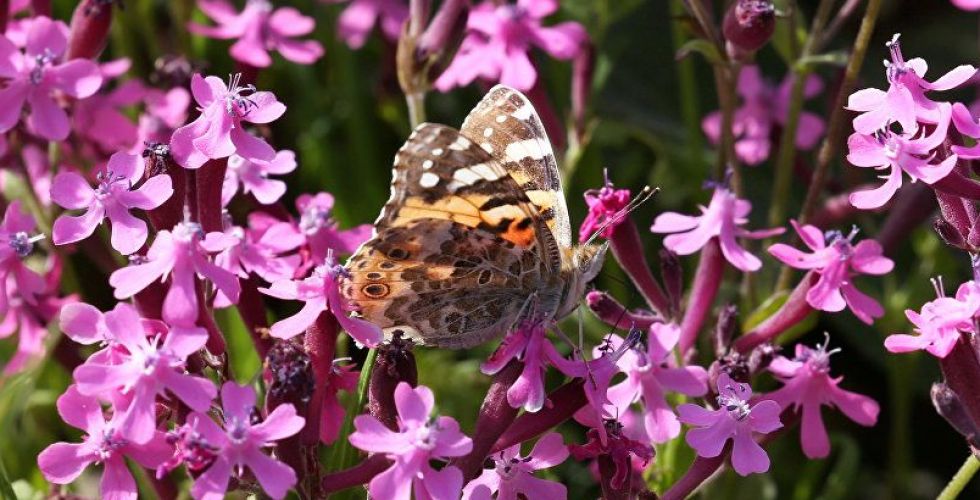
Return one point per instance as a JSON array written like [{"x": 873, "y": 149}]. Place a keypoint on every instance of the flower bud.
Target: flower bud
[
  {"x": 89, "y": 29},
  {"x": 949, "y": 406},
  {"x": 673, "y": 277},
  {"x": 749, "y": 24},
  {"x": 725, "y": 329},
  {"x": 290, "y": 373},
  {"x": 948, "y": 233},
  {"x": 394, "y": 363}
]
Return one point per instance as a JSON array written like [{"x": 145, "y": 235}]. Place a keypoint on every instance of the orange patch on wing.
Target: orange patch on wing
[{"x": 520, "y": 232}]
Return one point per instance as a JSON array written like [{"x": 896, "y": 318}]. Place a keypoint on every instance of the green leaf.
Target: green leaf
[
  {"x": 6, "y": 490},
  {"x": 703, "y": 47},
  {"x": 782, "y": 39},
  {"x": 836, "y": 58}
]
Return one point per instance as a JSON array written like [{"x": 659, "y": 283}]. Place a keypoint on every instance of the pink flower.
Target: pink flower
[
  {"x": 606, "y": 207},
  {"x": 104, "y": 443},
  {"x": 940, "y": 322},
  {"x": 967, "y": 4},
  {"x": 258, "y": 29},
  {"x": 101, "y": 118},
  {"x": 16, "y": 243},
  {"x": 808, "y": 384},
  {"x": 763, "y": 106},
  {"x": 35, "y": 75},
  {"x": 527, "y": 343},
  {"x": 181, "y": 254},
  {"x": 218, "y": 132},
  {"x": 30, "y": 321},
  {"x": 735, "y": 419},
  {"x": 837, "y": 263},
  {"x": 720, "y": 219},
  {"x": 260, "y": 250},
  {"x": 419, "y": 439},
  {"x": 500, "y": 37},
  {"x": 909, "y": 152},
  {"x": 967, "y": 125},
  {"x": 150, "y": 367},
  {"x": 165, "y": 111},
  {"x": 253, "y": 177},
  {"x": 905, "y": 102},
  {"x": 627, "y": 454},
  {"x": 341, "y": 378},
  {"x": 650, "y": 374},
  {"x": 360, "y": 16},
  {"x": 321, "y": 293},
  {"x": 513, "y": 475},
  {"x": 240, "y": 443},
  {"x": 321, "y": 229},
  {"x": 113, "y": 198}
]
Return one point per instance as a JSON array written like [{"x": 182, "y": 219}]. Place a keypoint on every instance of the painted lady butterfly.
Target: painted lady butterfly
[{"x": 475, "y": 237}]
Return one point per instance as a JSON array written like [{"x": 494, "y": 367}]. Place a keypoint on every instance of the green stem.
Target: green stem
[
  {"x": 726, "y": 76},
  {"x": 900, "y": 455},
  {"x": 687, "y": 85},
  {"x": 838, "y": 119},
  {"x": 416, "y": 108},
  {"x": 960, "y": 479}
]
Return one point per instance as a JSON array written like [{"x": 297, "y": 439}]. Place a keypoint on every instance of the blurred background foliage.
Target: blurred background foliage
[{"x": 346, "y": 117}]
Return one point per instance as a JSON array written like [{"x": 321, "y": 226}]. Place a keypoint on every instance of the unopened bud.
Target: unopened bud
[
  {"x": 761, "y": 357},
  {"x": 749, "y": 24},
  {"x": 948, "y": 233},
  {"x": 949, "y": 406},
  {"x": 673, "y": 277},
  {"x": 290, "y": 373},
  {"x": 394, "y": 363},
  {"x": 732, "y": 363},
  {"x": 726, "y": 328},
  {"x": 89, "y": 29}
]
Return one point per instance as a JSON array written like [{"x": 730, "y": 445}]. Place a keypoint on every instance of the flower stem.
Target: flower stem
[
  {"x": 707, "y": 279},
  {"x": 566, "y": 400},
  {"x": 628, "y": 249},
  {"x": 726, "y": 76},
  {"x": 496, "y": 415},
  {"x": 962, "y": 477},
  {"x": 416, "y": 108}
]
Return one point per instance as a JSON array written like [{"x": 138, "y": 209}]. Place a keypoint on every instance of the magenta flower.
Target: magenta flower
[
  {"x": 240, "y": 443},
  {"x": 150, "y": 367},
  {"x": 165, "y": 112},
  {"x": 181, "y": 254},
  {"x": 764, "y": 106},
  {"x": 104, "y": 443},
  {"x": 837, "y": 261},
  {"x": 940, "y": 322},
  {"x": 15, "y": 231},
  {"x": 721, "y": 219},
  {"x": 734, "y": 419},
  {"x": 807, "y": 383},
  {"x": 905, "y": 102},
  {"x": 321, "y": 293},
  {"x": 321, "y": 229},
  {"x": 30, "y": 321},
  {"x": 35, "y": 75},
  {"x": 500, "y": 37},
  {"x": 650, "y": 374},
  {"x": 341, "y": 378},
  {"x": 253, "y": 177},
  {"x": 627, "y": 455},
  {"x": 358, "y": 19},
  {"x": 512, "y": 475},
  {"x": 606, "y": 207},
  {"x": 529, "y": 344},
  {"x": 911, "y": 153},
  {"x": 970, "y": 5},
  {"x": 967, "y": 125},
  {"x": 419, "y": 439},
  {"x": 101, "y": 118},
  {"x": 113, "y": 198},
  {"x": 260, "y": 250},
  {"x": 218, "y": 132},
  {"x": 259, "y": 29}
]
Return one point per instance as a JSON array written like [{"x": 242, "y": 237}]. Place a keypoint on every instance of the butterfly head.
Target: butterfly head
[{"x": 583, "y": 264}]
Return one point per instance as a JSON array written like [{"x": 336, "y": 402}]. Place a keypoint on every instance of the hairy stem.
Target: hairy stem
[{"x": 962, "y": 477}]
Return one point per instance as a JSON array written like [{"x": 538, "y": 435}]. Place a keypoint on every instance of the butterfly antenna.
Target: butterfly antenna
[{"x": 645, "y": 194}]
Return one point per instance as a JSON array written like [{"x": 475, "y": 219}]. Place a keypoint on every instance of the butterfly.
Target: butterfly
[{"x": 475, "y": 238}]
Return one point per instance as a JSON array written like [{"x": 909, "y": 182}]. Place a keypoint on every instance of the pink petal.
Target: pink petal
[
  {"x": 867, "y": 258},
  {"x": 281, "y": 423},
  {"x": 300, "y": 52},
  {"x": 196, "y": 392},
  {"x": 117, "y": 481},
  {"x": 79, "y": 78},
  {"x": 298, "y": 323},
  {"x": 443, "y": 484},
  {"x": 857, "y": 407},
  {"x": 130, "y": 280},
  {"x": 413, "y": 404},
  {"x": 45, "y": 36},
  {"x": 124, "y": 325},
  {"x": 250, "y": 51},
  {"x": 672, "y": 222},
  {"x": 747, "y": 456},
  {"x": 183, "y": 342},
  {"x": 213, "y": 483},
  {"x": 182, "y": 144},
  {"x": 709, "y": 441},
  {"x": 216, "y": 142},
  {"x": 813, "y": 434},
  {"x": 128, "y": 233},
  {"x": 875, "y": 198},
  {"x": 275, "y": 477},
  {"x": 452, "y": 442},
  {"x": 864, "y": 151},
  {"x": 563, "y": 40},
  {"x": 764, "y": 417},
  {"x": 689, "y": 380},
  {"x": 900, "y": 343},
  {"x": 865, "y": 100},
  {"x": 549, "y": 451},
  {"x": 250, "y": 147},
  {"x": 62, "y": 463},
  {"x": 372, "y": 436},
  {"x": 80, "y": 321},
  {"x": 289, "y": 22},
  {"x": 956, "y": 77},
  {"x": 736, "y": 255},
  {"x": 12, "y": 99},
  {"x": 518, "y": 72},
  {"x": 265, "y": 108},
  {"x": 70, "y": 229},
  {"x": 863, "y": 306},
  {"x": 47, "y": 119},
  {"x": 71, "y": 191},
  {"x": 394, "y": 483},
  {"x": 153, "y": 193},
  {"x": 238, "y": 401},
  {"x": 151, "y": 454}
]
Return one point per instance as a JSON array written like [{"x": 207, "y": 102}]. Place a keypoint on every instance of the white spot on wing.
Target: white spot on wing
[
  {"x": 501, "y": 118},
  {"x": 530, "y": 148},
  {"x": 487, "y": 147},
  {"x": 427, "y": 164},
  {"x": 460, "y": 144},
  {"x": 485, "y": 171},
  {"x": 523, "y": 113},
  {"x": 466, "y": 176},
  {"x": 487, "y": 132},
  {"x": 437, "y": 152},
  {"x": 429, "y": 180}
]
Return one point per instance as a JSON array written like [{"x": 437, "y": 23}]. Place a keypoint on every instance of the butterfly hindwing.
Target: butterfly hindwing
[{"x": 505, "y": 124}]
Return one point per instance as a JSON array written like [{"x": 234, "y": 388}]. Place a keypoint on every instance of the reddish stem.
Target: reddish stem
[
  {"x": 628, "y": 250},
  {"x": 251, "y": 307},
  {"x": 959, "y": 185},
  {"x": 616, "y": 315},
  {"x": 209, "y": 180},
  {"x": 699, "y": 472},
  {"x": 359, "y": 474},
  {"x": 794, "y": 310},
  {"x": 707, "y": 279},
  {"x": 496, "y": 415},
  {"x": 41, "y": 7},
  {"x": 565, "y": 401},
  {"x": 4, "y": 15}
]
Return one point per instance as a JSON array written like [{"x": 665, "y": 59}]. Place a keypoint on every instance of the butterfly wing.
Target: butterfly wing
[
  {"x": 459, "y": 247},
  {"x": 507, "y": 127}
]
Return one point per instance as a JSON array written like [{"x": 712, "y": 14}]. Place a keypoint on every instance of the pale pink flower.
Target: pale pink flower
[
  {"x": 837, "y": 260},
  {"x": 764, "y": 106},
  {"x": 30, "y": 321},
  {"x": 912, "y": 153},
  {"x": 721, "y": 218},
  {"x": 512, "y": 475},
  {"x": 253, "y": 177},
  {"x": 529, "y": 344},
  {"x": 164, "y": 113},
  {"x": 16, "y": 243},
  {"x": 120, "y": 189},
  {"x": 260, "y": 250},
  {"x": 420, "y": 438},
  {"x": 966, "y": 124},
  {"x": 103, "y": 443},
  {"x": 807, "y": 383},
  {"x": 359, "y": 18},
  {"x": 967, "y": 4},
  {"x": 321, "y": 293},
  {"x": 219, "y": 132},
  {"x": 905, "y": 102},
  {"x": 181, "y": 254},
  {"x": 149, "y": 368},
  {"x": 940, "y": 323},
  {"x": 239, "y": 445},
  {"x": 500, "y": 38},
  {"x": 736, "y": 420},
  {"x": 321, "y": 230},
  {"x": 650, "y": 374},
  {"x": 37, "y": 74},
  {"x": 259, "y": 29}
]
